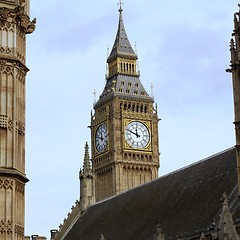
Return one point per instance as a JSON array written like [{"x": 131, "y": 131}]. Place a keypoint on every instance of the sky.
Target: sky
[{"x": 183, "y": 50}]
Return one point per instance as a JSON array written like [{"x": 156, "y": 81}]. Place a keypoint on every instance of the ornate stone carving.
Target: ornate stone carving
[
  {"x": 6, "y": 227},
  {"x": 19, "y": 230},
  {"x": 6, "y": 183},
  {"x": 6, "y": 123},
  {"x": 24, "y": 22},
  {"x": 19, "y": 187},
  {"x": 3, "y": 121},
  {"x": 9, "y": 68},
  {"x": 21, "y": 128},
  {"x": 22, "y": 68},
  {"x": 4, "y": 14},
  {"x": 4, "y": 68},
  {"x": 2, "y": 62},
  {"x": 10, "y": 124},
  {"x": 7, "y": 50},
  {"x": 7, "y": 26},
  {"x": 21, "y": 77}
]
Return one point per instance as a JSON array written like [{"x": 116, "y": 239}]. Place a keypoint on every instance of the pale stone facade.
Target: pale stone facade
[{"x": 14, "y": 25}]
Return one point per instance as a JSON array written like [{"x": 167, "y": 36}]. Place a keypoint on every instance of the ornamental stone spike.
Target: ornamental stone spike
[
  {"x": 235, "y": 70},
  {"x": 226, "y": 225}
]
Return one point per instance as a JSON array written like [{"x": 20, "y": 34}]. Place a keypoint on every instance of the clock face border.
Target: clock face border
[
  {"x": 101, "y": 138},
  {"x": 130, "y": 146}
]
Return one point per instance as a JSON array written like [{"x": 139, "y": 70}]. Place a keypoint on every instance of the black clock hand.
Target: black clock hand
[
  {"x": 135, "y": 133},
  {"x": 100, "y": 138}
]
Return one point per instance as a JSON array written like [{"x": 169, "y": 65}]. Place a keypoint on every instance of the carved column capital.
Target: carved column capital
[{"x": 24, "y": 21}]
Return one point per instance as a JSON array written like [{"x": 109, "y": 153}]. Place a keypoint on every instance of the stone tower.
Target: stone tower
[
  {"x": 124, "y": 126},
  {"x": 235, "y": 70},
  {"x": 14, "y": 25}
]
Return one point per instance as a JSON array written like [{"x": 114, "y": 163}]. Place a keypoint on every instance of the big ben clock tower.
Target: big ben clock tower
[{"x": 124, "y": 126}]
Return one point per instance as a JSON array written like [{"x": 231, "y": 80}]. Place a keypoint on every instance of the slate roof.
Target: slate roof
[
  {"x": 121, "y": 44},
  {"x": 125, "y": 87},
  {"x": 185, "y": 202}
]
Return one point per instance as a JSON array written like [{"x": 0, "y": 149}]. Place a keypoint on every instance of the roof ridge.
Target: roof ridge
[{"x": 195, "y": 163}]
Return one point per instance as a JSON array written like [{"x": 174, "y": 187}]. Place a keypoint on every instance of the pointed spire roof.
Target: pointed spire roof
[
  {"x": 159, "y": 233},
  {"x": 123, "y": 75},
  {"x": 121, "y": 46},
  {"x": 87, "y": 170},
  {"x": 226, "y": 225}
]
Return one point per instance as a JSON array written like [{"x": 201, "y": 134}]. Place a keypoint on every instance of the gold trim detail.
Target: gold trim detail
[{"x": 148, "y": 147}]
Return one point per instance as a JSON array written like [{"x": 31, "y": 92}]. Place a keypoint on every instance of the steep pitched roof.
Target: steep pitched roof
[
  {"x": 184, "y": 203},
  {"x": 121, "y": 44},
  {"x": 124, "y": 85}
]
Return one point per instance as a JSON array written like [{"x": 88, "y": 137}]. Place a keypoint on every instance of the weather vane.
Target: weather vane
[{"x": 120, "y": 5}]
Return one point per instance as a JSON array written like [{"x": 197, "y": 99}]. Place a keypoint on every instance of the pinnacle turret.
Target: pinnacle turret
[
  {"x": 234, "y": 69},
  {"x": 226, "y": 225},
  {"x": 86, "y": 181},
  {"x": 87, "y": 170}
]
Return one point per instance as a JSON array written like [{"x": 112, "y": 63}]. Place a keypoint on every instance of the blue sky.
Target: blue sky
[{"x": 183, "y": 49}]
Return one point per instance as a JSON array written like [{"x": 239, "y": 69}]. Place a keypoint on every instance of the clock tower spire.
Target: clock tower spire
[{"x": 124, "y": 126}]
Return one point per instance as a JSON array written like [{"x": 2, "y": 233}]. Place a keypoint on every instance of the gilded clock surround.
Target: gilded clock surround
[{"x": 148, "y": 127}]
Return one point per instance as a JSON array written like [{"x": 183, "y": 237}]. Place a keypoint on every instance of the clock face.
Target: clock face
[
  {"x": 137, "y": 134},
  {"x": 101, "y": 138}
]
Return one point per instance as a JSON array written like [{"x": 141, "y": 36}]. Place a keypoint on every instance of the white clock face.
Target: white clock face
[
  {"x": 137, "y": 134},
  {"x": 101, "y": 138}
]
